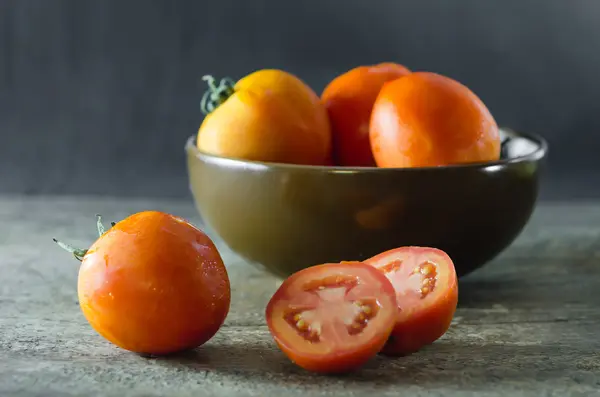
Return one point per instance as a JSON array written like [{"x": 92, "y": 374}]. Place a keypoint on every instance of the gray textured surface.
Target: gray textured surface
[{"x": 527, "y": 324}]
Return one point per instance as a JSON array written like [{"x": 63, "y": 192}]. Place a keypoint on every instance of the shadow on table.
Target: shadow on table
[
  {"x": 528, "y": 282},
  {"x": 443, "y": 364},
  {"x": 529, "y": 292},
  {"x": 478, "y": 293}
]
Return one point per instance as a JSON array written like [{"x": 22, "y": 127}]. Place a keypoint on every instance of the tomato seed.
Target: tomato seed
[
  {"x": 429, "y": 273},
  {"x": 427, "y": 268},
  {"x": 391, "y": 267},
  {"x": 301, "y": 325},
  {"x": 361, "y": 320},
  {"x": 309, "y": 332}
]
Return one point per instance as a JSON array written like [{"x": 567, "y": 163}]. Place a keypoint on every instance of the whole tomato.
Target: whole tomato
[
  {"x": 153, "y": 284},
  {"x": 427, "y": 120},
  {"x": 269, "y": 115},
  {"x": 349, "y": 100}
]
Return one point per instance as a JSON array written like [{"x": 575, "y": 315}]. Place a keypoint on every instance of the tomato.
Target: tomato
[
  {"x": 349, "y": 99},
  {"x": 427, "y": 294},
  {"x": 332, "y": 318},
  {"x": 153, "y": 284},
  {"x": 269, "y": 115},
  {"x": 427, "y": 120}
]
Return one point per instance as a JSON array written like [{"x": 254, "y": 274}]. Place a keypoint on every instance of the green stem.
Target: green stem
[
  {"x": 79, "y": 253},
  {"x": 216, "y": 94},
  {"x": 99, "y": 225}
]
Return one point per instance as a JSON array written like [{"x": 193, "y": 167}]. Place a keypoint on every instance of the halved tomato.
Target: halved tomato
[
  {"x": 332, "y": 318},
  {"x": 427, "y": 294}
]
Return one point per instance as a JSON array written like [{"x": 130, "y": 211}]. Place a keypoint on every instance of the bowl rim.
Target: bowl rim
[{"x": 538, "y": 154}]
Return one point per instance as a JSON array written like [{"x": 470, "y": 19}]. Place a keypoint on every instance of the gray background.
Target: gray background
[{"x": 98, "y": 97}]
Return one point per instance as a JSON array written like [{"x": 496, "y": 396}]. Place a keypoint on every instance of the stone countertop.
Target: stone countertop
[{"x": 528, "y": 323}]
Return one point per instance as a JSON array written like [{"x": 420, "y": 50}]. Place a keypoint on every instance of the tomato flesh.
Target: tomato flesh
[
  {"x": 426, "y": 292},
  {"x": 332, "y": 317}
]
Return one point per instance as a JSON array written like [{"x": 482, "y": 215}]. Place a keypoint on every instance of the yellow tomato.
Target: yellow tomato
[{"x": 269, "y": 115}]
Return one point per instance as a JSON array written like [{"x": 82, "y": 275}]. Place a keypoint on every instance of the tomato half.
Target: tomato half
[
  {"x": 427, "y": 294},
  {"x": 332, "y": 318}
]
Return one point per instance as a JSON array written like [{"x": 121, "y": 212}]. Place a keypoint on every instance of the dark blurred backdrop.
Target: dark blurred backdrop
[{"x": 98, "y": 97}]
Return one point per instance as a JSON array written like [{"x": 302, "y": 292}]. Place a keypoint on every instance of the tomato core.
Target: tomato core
[
  {"x": 411, "y": 283},
  {"x": 332, "y": 312}
]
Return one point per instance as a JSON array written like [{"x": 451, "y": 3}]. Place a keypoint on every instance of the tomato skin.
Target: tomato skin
[
  {"x": 271, "y": 116},
  {"x": 336, "y": 365},
  {"x": 344, "y": 360},
  {"x": 428, "y": 120},
  {"x": 423, "y": 330},
  {"x": 349, "y": 99},
  {"x": 427, "y": 322},
  {"x": 154, "y": 284}
]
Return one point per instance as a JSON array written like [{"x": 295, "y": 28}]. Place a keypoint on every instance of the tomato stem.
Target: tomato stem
[
  {"x": 99, "y": 224},
  {"x": 79, "y": 253},
  {"x": 216, "y": 94}
]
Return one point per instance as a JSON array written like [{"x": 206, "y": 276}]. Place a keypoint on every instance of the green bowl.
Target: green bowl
[{"x": 287, "y": 217}]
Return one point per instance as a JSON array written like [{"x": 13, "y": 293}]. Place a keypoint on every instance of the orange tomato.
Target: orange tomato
[
  {"x": 153, "y": 284},
  {"x": 426, "y": 120},
  {"x": 332, "y": 318},
  {"x": 427, "y": 294},
  {"x": 349, "y": 99},
  {"x": 269, "y": 115}
]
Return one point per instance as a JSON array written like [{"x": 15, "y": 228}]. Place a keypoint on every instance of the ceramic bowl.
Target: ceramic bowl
[{"x": 287, "y": 217}]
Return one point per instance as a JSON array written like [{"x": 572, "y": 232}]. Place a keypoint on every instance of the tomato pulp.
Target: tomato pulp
[
  {"x": 427, "y": 294},
  {"x": 332, "y": 318}
]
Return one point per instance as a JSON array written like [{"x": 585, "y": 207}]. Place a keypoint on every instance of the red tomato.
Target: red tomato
[
  {"x": 349, "y": 99},
  {"x": 427, "y": 294},
  {"x": 332, "y": 318},
  {"x": 153, "y": 284},
  {"x": 428, "y": 120}
]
